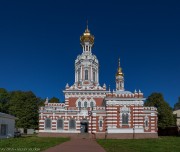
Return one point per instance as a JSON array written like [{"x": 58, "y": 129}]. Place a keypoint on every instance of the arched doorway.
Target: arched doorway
[{"x": 84, "y": 126}]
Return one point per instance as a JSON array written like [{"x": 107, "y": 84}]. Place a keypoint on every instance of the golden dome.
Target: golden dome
[
  {"x": 119, "y": 70},
  {"x": 87, "y": 37}
]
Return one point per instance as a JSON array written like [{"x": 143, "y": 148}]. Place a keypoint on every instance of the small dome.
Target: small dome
[
  {"x": 119, "y": 71},
  {"x": 87, "y": 37}
]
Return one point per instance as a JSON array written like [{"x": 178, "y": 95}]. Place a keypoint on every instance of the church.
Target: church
[{"x": 94, "y": 110}]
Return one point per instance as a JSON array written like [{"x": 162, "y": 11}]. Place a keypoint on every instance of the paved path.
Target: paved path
[{"x": 77, "y": 145}]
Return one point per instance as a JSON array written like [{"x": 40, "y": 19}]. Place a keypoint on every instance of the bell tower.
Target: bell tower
[
  {"x": 86, "y": 64},
  {"x": 119, "y": 78},
  {"x": 86, "y": 91}
]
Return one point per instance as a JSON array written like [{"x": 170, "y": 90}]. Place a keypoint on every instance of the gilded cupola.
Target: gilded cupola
[
  {"x": 87, "y": 37},
  {"x": 119, "y": 70}
]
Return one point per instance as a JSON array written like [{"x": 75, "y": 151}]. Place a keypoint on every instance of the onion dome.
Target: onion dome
[
  {"x": 87, "y": 37},
  {"x": 119, "y": 70}
]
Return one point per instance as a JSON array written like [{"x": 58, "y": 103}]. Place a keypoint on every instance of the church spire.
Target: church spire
[
  {"x": 87, "y": 30},
  {"x": 119, "y": 70},
  {"x": 119, "y": 78}
]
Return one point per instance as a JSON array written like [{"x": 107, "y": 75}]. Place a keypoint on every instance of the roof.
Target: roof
[
  {"x": 5, "y": 115},
  {"x": 123, "y": 92}
]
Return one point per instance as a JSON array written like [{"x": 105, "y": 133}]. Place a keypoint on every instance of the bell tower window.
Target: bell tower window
[
  {"x": 94, "y": 76},
  {"x": 86, "y": 74},
  {"x": 78, "y": 74}
]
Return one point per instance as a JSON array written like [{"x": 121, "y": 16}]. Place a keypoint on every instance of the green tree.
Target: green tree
[
  {"x": 40, "y": 102},
  {"x": 54, "y": 100},
  {"x": 177, "y": 105},
  {"x": 4, "y": 98},
  {"x": 24, "y": 106},
  {"x": 165, "y": 115}
]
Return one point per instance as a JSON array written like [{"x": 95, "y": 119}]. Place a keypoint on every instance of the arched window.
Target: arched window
[
  {"x": 125, "y": 118},
  {"x": 86, "y": 74},
  {"x": 100, "y": 123},
  {"x": 86, "y": 48},
  {"x": 94, "y": 76},
  {"x": 85, "y": 104},
  {"x": 60, "y": 124},
  {"x": 79, "y": 104},
  {"x": 146, "y": 123},
  {"x": 48, "y": 123},
  {"x": 78, "y": 74},
  {"x": 91, "y": 104},
  {"x": 72, "y": 124}
]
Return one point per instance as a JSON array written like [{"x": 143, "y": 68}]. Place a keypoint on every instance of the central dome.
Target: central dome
[{"x": 87, "y": 37}]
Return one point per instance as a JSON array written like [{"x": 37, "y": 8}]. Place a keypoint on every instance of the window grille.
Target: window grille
[
  {"x": 72, "y": 124},
  {"x": 48, "y": 123},
  {"x": 60, "y": 124},
  {"x": 125, "y": 118}
]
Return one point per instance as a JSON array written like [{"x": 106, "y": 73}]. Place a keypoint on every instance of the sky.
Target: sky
[{"x": 39, "y": 42}]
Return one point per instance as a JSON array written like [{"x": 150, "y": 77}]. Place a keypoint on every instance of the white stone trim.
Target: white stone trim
[{"x": 125, "y": 130}]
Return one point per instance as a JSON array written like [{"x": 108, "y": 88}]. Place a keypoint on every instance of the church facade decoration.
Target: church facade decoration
[{"x": 91, "y": 108}]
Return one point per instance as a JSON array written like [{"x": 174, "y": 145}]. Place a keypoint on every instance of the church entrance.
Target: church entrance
[{"x": 84, "y": 126}]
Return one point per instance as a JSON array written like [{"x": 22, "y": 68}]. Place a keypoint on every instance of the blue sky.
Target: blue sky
[{"x": 39, "y": 42}]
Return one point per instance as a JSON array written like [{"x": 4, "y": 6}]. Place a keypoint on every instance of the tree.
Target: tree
[
  {"x": 165, "y": 115},
  {"x": 40, "y": 102},
  {"x": 54, "y": 100},
  {"x": 24, "y": 106},
  {"x": 177, "y": 105},
  {"x": 4, "y": 98}
]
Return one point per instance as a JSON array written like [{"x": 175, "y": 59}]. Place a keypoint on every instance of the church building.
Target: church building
[{"x": 94, "y": 110}]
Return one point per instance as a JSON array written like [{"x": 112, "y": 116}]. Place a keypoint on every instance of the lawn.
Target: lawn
[
  {"x": 33, "y": 143},
  {"x": 162, "y": 144}
]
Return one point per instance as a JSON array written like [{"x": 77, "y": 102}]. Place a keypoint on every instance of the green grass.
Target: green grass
[
  {"x": 162, "y": 144},
  {"x": 32, "y": 143}
]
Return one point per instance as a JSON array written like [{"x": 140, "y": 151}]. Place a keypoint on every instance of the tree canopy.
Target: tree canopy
[
  {"x": 54, "y": 100},
  {"x": 22, "y": 104},
  {"x": 4, "y": 98},
  {"x": 165, "y": 115}
]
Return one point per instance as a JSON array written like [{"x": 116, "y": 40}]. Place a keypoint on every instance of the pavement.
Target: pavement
[{"x": 77, "y": 145}]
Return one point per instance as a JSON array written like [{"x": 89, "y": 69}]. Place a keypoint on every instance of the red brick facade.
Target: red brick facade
[{"x": 90, "y": 108}]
